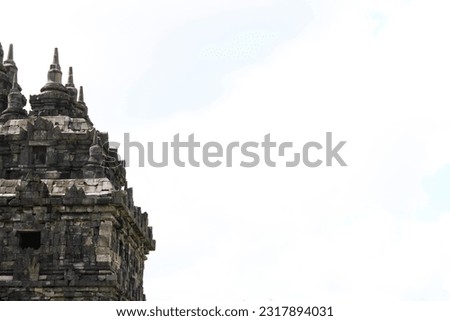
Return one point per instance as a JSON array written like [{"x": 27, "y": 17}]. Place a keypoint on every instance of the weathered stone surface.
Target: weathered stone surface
[{"x": 69, "y": 229}]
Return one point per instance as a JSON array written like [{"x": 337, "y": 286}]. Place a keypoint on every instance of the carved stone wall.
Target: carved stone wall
[{"x": 69, "y": 229}]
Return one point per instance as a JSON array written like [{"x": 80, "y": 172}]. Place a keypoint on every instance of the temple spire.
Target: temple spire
[
  {"x": 15, "y": 86},
  {"x": 56, "y": 57},
  {"x": 11, "y": 52},
  {"x": 1, "y": 54},
  {"x": 2, "y": 68},
  {"x": 10, "y": 59},
  {"x": 95, "y": 151},
  {"x": 9, "y": 64},
  {"x": 71, "y": 86},
  {"x": 16, "y": 102},
  {"x": 5, "y": 83},
  {"x": 58, "y": 97},
  {"x": 70, "y": 79},
  {"x": 54, "y": 75},
  {"x": 81, "y": 105},
  {"x": 81, "y": 95}
]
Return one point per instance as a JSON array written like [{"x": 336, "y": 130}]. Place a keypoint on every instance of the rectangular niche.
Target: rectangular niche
[
  {"x": 39, "y": 155},
  {"x": 29, "y": 239}
]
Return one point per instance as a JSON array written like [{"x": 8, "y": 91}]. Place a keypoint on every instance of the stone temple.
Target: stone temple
[{"x": 69, "y": 229}]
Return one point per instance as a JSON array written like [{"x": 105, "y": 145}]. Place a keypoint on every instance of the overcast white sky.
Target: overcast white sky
[{"x": 375, "y": 73}]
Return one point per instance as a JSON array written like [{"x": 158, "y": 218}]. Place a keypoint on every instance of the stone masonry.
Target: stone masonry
[{"x": 69, "y": 229}]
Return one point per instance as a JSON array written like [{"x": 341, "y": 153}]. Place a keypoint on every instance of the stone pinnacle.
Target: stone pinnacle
[
  {"x": 14, "y": 82},
  {"x": 81, "y": 95},
  {"x": 1, "y": 54},
  {"x": 70, "y": 79},
  {"x": 56, "y": 57},
  {"x": 11, "y": 52}
]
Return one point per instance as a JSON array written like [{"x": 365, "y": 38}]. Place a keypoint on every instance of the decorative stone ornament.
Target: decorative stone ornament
[{"x": 69, "y": 229}]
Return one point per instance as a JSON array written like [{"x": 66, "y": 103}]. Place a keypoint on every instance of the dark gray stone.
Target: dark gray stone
[{"x": 69, "y": 229}]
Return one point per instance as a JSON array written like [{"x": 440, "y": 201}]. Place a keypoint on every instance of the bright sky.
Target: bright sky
[{"x": 375, "y": 73}]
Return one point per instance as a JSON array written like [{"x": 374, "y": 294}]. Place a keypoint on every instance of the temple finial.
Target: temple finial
[
  {"x": 95, "y": 151},
  {"x": 80, "y": 105},
  {"x": 14, "y": 82},
  {"x": 71, "y": 86},
  {"x": 9, "y": 63},
  {"x": 81, "y": 95},
  {"x": 70, "y": 80},
  {"x": 56, "y": 57},
  {"x": 16, "y": 102},
  {"x": 11, "y": 52},
  {"x": 55, "y": 64},
  {"x": 54, "y": 75},
  {"x": 2, "y": 68},
  {"x": 10, "y": 59}
]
